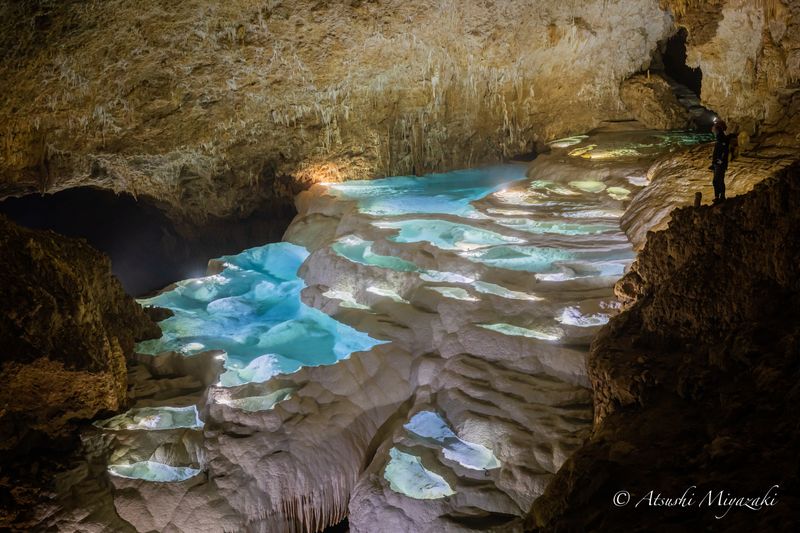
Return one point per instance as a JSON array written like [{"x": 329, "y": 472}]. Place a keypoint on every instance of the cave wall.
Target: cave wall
[
  {"x": 66, "y": 327},
  {"x": 695, "y": 382},
  {"x": 220, "y": 108},
  {"x": 749, "y": 54}
]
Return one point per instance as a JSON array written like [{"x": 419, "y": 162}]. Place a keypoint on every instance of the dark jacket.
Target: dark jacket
[{"x": 721, "y": 151}]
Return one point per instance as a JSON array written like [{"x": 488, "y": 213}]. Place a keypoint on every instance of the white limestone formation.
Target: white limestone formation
[{"x": 413, "y": 358}]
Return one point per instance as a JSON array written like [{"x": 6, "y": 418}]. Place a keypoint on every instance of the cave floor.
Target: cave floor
[{"x": 413, "y": 354}]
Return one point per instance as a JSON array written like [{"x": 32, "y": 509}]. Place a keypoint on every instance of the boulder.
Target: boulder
[
  {"x": 651, "y": 101},
  {"x": 66, "y": 326}
]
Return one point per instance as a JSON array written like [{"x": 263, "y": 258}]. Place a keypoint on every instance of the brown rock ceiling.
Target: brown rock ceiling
[{"x": 218, "y": 109}]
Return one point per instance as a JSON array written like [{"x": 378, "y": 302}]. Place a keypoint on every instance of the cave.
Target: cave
[
  {"x": 276, "y": 267},
  {"x": 674, "y": 59},
  {"x": 147, "y": 249},
  {"x": 144, "y": 248}
]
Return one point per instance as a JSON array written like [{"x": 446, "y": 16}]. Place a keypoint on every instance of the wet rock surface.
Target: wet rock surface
[
  {"x": 695, "y": 383},
  {"x": 221, "y": 111},
  {"x": 66, "y": 327}
]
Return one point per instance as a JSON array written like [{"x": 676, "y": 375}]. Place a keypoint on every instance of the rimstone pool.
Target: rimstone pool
[{"x": 414, "y": 350}]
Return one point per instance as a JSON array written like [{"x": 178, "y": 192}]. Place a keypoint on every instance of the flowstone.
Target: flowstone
[{"x": 418, "y": 364}]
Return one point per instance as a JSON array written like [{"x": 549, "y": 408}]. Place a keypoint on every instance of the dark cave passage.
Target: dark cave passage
[
  {"x": 341, "y": 527},
  {"x": 686, "y": 82},
  {"x": 146, "y": 249},
  {"x": 674, "y": 58}
]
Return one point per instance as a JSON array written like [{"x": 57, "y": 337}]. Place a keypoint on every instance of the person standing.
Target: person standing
[{"x": 719, "y": 159}]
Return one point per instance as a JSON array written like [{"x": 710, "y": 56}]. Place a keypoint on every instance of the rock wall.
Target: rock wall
[
  {"x": 65, "y": 328},
  {"x": 219, "y": 109},
  {"x": 749, "y": 53},
  {"x": 651, "y": 101},
  {"x": 695, "y": 383}
]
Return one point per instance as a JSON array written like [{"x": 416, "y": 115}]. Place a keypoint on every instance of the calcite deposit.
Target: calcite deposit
[
  {"x": 750, "y": 60},
  {"x": 415, "y": 357},
  {"x": 415, "y": 354},
  {"x": 675, "y": 179},
  {"x": 221, "y": 109}
]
